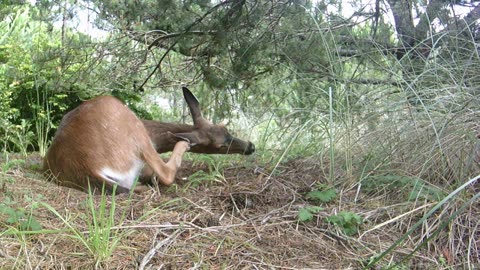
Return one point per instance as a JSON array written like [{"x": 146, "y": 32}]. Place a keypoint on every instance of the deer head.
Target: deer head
[{"x": 203, "y": 136}]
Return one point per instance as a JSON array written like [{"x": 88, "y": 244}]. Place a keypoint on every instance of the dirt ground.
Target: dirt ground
[{"x": 243, "y": 219}]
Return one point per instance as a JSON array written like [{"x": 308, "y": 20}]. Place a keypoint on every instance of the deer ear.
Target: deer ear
[
  {"x": 192, "y": 103},
  {"x": 195, "y": 110},
  {"x": 189, "y": 137}
]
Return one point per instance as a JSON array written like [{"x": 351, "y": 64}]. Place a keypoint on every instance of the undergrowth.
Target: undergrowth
[{"x": 389, "y": 172}]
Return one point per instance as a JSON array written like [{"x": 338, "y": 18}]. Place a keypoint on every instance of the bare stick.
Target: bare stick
[{"x": 164, "y": 243}]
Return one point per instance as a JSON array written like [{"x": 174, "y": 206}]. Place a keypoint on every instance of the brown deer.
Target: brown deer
[{"x": 103, "y": 143}]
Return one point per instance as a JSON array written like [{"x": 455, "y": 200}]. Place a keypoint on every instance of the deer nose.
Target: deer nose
[{"x": 250, "y": 148}]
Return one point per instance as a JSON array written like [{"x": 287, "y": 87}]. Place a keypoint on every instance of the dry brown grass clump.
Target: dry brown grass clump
[{"x": 246, "y": 219}]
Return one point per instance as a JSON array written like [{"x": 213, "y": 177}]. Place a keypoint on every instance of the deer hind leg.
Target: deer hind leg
[{"x": 165, "y": 171}]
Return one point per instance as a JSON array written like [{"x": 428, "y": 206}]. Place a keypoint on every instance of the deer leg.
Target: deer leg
[
  {"x": 175, "y": 160},
  {"x": 166, "y": 171},
  {"x": 147, "y": 176}
]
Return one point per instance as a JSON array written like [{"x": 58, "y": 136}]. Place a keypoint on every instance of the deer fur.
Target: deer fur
[
  {"x": 103, "y": 143},
  {"x": 204, "y": 136}
]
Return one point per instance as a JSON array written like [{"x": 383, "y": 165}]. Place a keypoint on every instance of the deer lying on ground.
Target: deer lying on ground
[{"x": 103, "y": 143}]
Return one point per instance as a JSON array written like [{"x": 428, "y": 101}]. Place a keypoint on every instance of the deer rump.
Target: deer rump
[{"x": 103, "y": 143}]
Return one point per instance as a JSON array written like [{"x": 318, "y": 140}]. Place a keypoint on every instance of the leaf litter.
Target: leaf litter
[{"x": 246, "y": 220}]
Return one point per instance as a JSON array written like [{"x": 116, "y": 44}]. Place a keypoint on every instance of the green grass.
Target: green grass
[
  {"x": 102, "y": 237},
  {"x": 429, "y": 214}
]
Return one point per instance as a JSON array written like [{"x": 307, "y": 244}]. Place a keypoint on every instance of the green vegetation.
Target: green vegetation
[
  {"x": 17, "y": 217},
  {"x": 322, "y": 194},
  {"x": 349, "y": 222},
  {"x": 102, "y": 239},
  {"x": 364, "y": 117},
  {"x": 214, "y": 171},
  {"x": 306, "y": 213}
]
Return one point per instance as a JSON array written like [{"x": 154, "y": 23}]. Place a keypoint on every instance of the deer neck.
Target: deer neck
[{"x": 160, "y": 134}]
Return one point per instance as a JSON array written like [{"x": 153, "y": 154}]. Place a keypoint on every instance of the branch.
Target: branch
[
  {"x": 174, "y": 35},
  {"x": 164, "y": 243},
  {"x": 176, "y": 41}
]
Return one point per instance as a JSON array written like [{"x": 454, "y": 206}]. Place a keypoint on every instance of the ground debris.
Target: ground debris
[{"x": 248, "y": 220}]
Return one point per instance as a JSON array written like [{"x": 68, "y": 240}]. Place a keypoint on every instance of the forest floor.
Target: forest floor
[{"x": 244, "y": 218}]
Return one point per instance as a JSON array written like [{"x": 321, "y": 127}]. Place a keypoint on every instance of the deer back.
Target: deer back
[{"x": 102, "y": 142}]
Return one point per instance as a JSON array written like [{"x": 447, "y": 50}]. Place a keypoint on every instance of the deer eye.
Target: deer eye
[{"x": 228, "y": 139}]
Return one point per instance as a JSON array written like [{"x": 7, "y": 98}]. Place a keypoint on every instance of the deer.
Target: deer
[{"x": 103, "y": 144}]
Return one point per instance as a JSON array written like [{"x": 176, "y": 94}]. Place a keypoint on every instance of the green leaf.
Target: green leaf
[
  {"x": 31, "y": 224},
  {"x": 306, "y": 213},
  {"x": 322, "y": 196},
  {"x": 12, "y": 215},
  {"x": 349, "y": 222}
]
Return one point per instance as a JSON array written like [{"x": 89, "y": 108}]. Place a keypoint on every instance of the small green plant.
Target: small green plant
[
  {"x": 10, "y": 163},
  {"x": 20, "y": 218},
  {"x": 43, "y": 107},
  {"x": 443, "y": 261},
  {"x": 348, "y": 221},
  {"x": 214, "y": 164},
  {"x": 102, "y": 238},
  {"x": 199, "y": 177},
  {"x": 20, "y": 136},
  {"x": 6, "y": 166},
  {"x": 43, "y": 126},
  {"x": 322, "y": 194},
  {"x": 214, "y": 174},
  {"x": 306, "y": 214}
]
